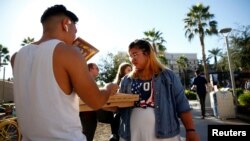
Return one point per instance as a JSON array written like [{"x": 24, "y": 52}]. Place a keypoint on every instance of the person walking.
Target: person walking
[
  {"x": 247, "y": 85},
  {"x": 49, "y": 77},
  {"x": 200, "y": 86},
  {"x": 155, "y": 117}
]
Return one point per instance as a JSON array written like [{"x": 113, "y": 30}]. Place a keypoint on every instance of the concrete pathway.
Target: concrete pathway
[{"x": 202, "y": 124}]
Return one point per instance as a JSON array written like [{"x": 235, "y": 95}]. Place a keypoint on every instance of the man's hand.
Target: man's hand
[
  {"x": 193, "y": 88},
  {"x": 112, "y": 88}
]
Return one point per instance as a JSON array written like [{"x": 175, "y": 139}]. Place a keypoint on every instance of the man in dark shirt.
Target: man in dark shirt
[
  {"x": 89, "y": 118},
  {"x": 200, "y": 84}
]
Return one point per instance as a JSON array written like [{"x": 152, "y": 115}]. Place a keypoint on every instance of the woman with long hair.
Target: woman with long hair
[
  {"x": 108, "y": 115},
  {"x": 123, "y": 69},
  {"x": 155, "y": 117}
]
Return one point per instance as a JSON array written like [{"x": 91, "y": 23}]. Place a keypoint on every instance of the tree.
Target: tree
[
  {"x": 27, "y": 41},
  {"x": 4, "y": 55},
  {"x": 222, "y": 64},
  {"x": 109, "y": 66},
  {"x": 240, "y": 46},
  {"x": 157, "y": 41},
  {"x": 214, "y": 53},
  {"x": 182, "y": 63},
  {"x": 199, "y": 22}
]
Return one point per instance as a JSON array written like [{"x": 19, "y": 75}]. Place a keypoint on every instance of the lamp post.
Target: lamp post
[{"x": 224, "y": 32}]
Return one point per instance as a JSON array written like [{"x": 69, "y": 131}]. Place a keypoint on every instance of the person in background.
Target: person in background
[
  {"x": 200, "y": 86},
  {"x": 155, "y": 117},
  {"x": 228, "y": 84},
  {"x": 108, "y": 115},
  {"x": 247, "y": 85},
  {"x": 123, "y": 69},
  {"x": 49, "y": 77},
  {"x": 89, "y": 118}
]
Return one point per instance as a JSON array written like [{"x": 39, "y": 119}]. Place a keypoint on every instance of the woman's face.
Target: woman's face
[
  {"x": 138, "y": 59},
  {"x": 127, "y": 70}
]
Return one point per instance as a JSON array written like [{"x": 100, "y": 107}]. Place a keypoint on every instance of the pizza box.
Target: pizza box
[
  {"x": 86, "y": 49},
  {"x": 120, "y": 100}
]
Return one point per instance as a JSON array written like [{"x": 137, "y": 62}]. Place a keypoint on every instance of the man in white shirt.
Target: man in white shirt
[{"x": 49, "y": 77}]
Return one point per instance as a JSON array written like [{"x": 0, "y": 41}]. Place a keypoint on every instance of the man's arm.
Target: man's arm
[
  {"x": 12, "y": 60},
  {"x": 208, "y": 86},
  {"x": 193, "y": 88},
  {"x": 71, "y": 71}
]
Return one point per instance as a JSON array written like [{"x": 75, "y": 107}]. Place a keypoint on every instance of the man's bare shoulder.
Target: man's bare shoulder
[
  {"x": 68, "y": 66},
  {"x": 66, "y": 54},
  {"x": 64, "y": 49}
]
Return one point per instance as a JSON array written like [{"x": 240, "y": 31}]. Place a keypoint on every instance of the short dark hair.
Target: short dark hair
[
  {"x": 142, "y": 44},
  {"x": 58, "y": 10},
  {"x": 91, "y": 65},
  {"x": 198, "y": 72}
]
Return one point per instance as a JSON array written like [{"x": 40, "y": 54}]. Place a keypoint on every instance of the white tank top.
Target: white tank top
[{"x": 44, "y": 111}]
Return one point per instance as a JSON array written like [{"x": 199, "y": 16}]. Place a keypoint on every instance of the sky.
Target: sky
[{"x": 111, "y": 25}]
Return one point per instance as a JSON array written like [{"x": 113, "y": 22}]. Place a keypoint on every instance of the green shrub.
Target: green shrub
[
  {"x": 244, "y": 99},
  {"x": 190, "y": 95},
  {"x": 239, "y": 91}
]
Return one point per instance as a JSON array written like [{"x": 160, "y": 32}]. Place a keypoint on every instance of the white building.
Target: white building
[{"x": 173, "y": 57}]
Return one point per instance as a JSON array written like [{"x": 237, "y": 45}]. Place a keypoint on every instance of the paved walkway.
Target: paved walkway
[
  {"x": 202, "y": 124},
  {"x": 103, "y": 130}
]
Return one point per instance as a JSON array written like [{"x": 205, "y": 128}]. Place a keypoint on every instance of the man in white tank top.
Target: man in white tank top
[{"x": 49, "y": 77}]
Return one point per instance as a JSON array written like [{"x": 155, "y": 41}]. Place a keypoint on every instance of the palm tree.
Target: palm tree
[
  {"x": 240, "y": 42},
  {"x": 199, "y": 22},
  {"x": 157, "y": 41},
  {"x": 182, "y": 63},
  {"x": 27, "y": 41},
  {"x": 214, "y": 53},
  {"x": 4, "y": 55},
  {"x": 222, "y": 64}
]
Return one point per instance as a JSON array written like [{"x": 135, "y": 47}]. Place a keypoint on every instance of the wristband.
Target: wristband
[{"x": 190, "y": 130}]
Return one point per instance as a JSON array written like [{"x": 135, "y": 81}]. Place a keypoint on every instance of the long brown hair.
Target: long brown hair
[
  {"x": 153, "y": 65},
  {"x": 121, "y": 72}
]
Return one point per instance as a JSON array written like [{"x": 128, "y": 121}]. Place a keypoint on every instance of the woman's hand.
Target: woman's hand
[{"x": 192, "y": 136}]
